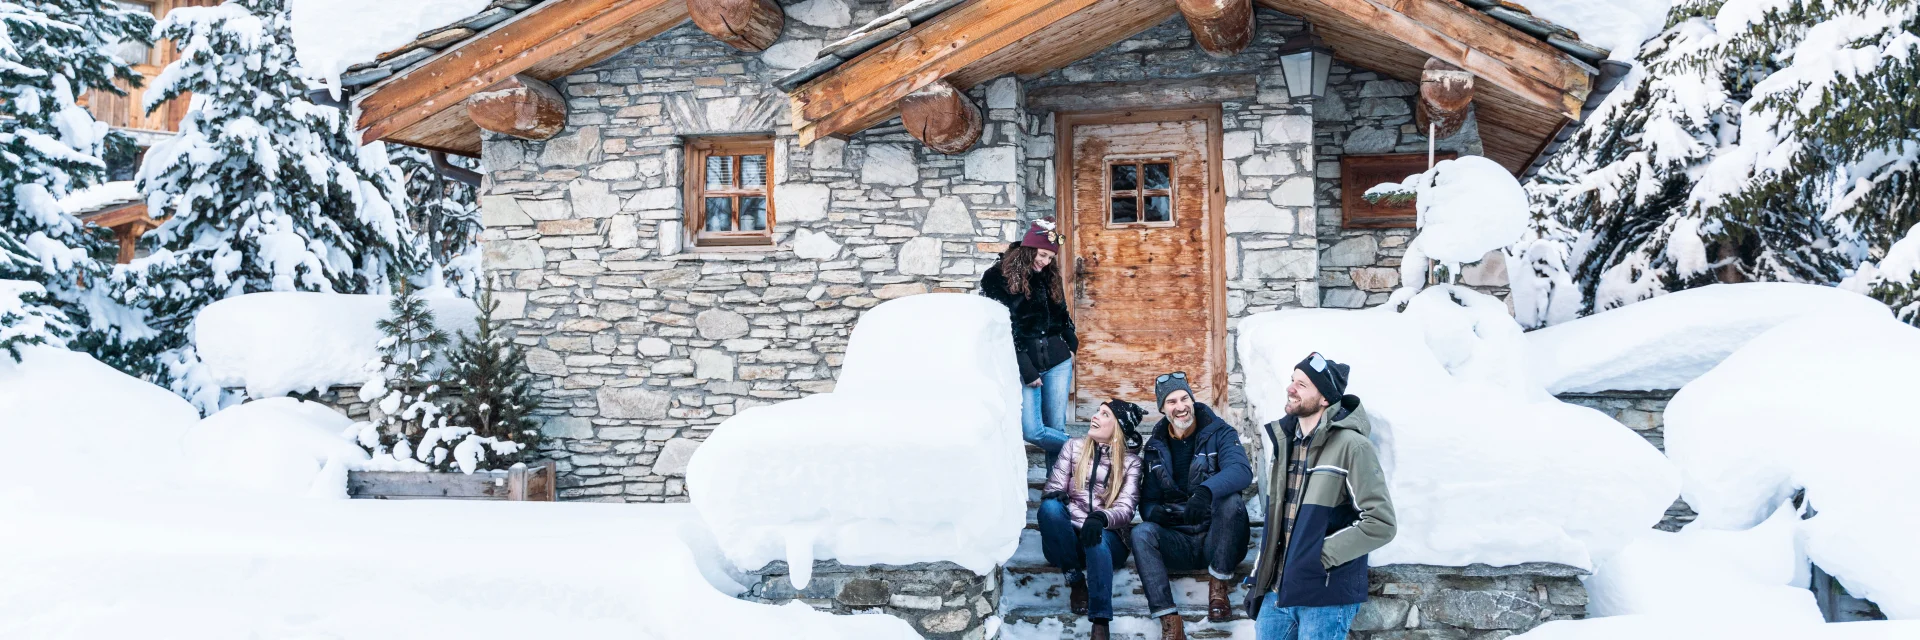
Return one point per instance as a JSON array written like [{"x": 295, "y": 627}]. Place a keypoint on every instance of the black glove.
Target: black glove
[
  {"x": 1200, "y": 505},
  {"x": 1054, "y": 495},
  {"x": 1166, "y": 515},
  {"x": 1090, "y": 531},
  {"x": 1253, "y": 602}
]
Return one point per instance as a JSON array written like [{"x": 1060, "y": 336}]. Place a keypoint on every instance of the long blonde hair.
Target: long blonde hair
[{"x": 1117, "y": 461}]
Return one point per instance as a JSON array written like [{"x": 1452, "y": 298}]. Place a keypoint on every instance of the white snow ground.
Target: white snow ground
[
  {"x": 282, "y": 342},
  {"x": 914, "y": 457}
]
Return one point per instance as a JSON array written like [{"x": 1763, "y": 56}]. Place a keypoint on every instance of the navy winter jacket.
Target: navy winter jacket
[{"x": 1219, "y": 464}]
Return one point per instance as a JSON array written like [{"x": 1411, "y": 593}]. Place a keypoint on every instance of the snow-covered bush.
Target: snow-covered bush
[
  {"x": 27, "y": 319},
  {"x": 1483, "y": 466},
  {"x": 490, "y": 390},
  {"x": 408, "y": 391},
  {"x": 1824, "y": 404},
  {"x": 1895, "y": 279},
  {"x": 915, "y": 456}
]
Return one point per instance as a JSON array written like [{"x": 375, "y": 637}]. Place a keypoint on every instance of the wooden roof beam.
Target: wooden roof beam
[
  {"x": 1221, "y": 27},
  {"x": 747, "y": 25}
]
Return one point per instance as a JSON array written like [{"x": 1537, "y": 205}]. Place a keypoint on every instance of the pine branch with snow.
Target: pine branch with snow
[
  {"x": 492, "y": 393},
  {"x": 405, "y": 389},
  {"x": 27, "y": 319},
  {"x": 445, "y": 218}
]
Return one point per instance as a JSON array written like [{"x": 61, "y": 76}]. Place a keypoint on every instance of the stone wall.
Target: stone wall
[
  {"x": 941, "y": 600},
  {"x": 645, "y": 343},
  {"x": 1475, "y": 602},
  {"x": 1645, "y": 413}
]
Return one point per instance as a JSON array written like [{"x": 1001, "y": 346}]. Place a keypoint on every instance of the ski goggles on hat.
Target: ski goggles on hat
[
  {"x": 1317, "y": 361},
  {"x": 1180, "y": 375}
]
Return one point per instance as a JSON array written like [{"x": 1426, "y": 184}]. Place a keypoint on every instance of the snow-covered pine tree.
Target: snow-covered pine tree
[
  {"x": 50, "y": 53},
  {"x": 1894, "y": 279},
  {"x": 492, "y": 390},
  {"x": 266, "y": 190},
  {"x": 445, "y": 217},
  {"x": 27, "y": 319},
  {"x": 404, "y": 386},
  {"x": 1759, "y": 140}
]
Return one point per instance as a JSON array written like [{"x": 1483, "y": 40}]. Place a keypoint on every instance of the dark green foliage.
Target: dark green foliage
[{"x": 490, "y": 389}]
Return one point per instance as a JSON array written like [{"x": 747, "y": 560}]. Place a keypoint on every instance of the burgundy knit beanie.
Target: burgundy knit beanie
[{"x": 1041, "y": 235}]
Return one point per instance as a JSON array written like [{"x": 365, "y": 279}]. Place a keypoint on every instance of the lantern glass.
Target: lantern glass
[{"x": 1306, "y": 64}]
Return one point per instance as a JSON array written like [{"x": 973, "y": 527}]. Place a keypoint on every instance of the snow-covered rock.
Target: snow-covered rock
[
  {"x": 1827, "y": 404},
  {"x": 1759, "y": 573},
  {"x": 915, "y": 456},
  {"x": 1665, "y": 342},
  {"x": 280, "y": 342},
  {"x": 1481, "y": 468}
]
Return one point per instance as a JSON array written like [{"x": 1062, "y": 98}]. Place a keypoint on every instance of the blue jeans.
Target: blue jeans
[
  {"x": 1302, "y": 623},
  {"x": 1060, "y": 543},
  {"x": 1043, "y": 410}
]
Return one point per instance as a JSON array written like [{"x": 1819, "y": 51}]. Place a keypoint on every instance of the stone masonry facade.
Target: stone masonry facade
[
  {"x": 644, "y": 343},
  {"x": 942, "y": 600}
]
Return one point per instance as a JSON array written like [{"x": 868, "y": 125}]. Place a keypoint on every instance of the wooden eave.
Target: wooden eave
[
  {"x": 1529, "y": 91},
  {"x": 425, "y": 106},
  {"x": 120, "y": 214}
]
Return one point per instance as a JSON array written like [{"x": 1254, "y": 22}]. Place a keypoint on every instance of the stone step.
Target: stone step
[
  {"x": 1123, "y": 627},
  {"x": 1029, "y": 559}
]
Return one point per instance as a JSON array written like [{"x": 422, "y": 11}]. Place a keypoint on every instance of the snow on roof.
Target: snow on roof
[
  {"x": 100, "y": 197},
  {"x": 350, "y": 43},
  {"x": 284, "y": 342},
  {"x": 1665, "y": 342}
]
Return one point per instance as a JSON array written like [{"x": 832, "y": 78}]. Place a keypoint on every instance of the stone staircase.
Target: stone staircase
[{"x": 1033, "y": 603}]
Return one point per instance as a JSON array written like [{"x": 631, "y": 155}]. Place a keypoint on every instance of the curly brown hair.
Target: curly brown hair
[{"x": 1017, "y": 266}]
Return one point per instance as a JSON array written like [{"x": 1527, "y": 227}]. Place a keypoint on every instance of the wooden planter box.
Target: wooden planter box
[{"x": 533, "y": 482}]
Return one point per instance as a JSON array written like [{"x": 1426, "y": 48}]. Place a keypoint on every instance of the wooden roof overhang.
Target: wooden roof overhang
[
  {"x": 425, "y": 106},
  {"x": 1531, "y": 89}
]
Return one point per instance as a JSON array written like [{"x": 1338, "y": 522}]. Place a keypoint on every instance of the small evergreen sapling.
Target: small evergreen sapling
[
  {"x": 492, "y": 390},
  {"x": 405, "y": 394}
]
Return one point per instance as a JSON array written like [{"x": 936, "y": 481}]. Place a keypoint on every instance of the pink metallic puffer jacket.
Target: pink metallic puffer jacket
[{"x": 1081, "y": 503}]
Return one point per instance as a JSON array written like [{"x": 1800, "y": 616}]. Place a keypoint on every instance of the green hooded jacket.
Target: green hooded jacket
[{"x": 1345, "y": 513}]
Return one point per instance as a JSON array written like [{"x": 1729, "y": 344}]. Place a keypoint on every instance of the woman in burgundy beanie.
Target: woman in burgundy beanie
[{"x": 1028, "y": 281}]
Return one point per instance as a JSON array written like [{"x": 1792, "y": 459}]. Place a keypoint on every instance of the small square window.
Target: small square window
[
  {"x": 727, "y": 191},
  {"x": 1140, "y": 191}
]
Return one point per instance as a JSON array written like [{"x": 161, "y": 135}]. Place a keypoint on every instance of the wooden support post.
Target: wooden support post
[
  {"x": 520, "y": 106},
  {"x": 1446, "y": 95},
  {"x": 942, "y": 117},
  {"x": 1221, "y": 27},
  {"x": 747, "y": 25}
]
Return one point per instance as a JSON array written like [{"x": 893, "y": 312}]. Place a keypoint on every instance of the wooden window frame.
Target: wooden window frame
[
  {"x": 696, "y": 191},
  {"x": 1140, "y": 192}
]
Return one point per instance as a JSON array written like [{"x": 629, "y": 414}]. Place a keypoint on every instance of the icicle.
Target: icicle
[{"x": 800, "y": 556}]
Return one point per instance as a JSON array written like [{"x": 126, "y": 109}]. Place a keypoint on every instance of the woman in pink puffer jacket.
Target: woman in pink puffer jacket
[{"x": 1087, "y": 507}]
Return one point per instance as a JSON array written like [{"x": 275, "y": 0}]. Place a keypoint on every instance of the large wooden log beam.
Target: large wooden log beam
[
  {"x": 1446, "y": 96},
  {"x": 1221, "y": 27},
  {"x": 520, "y": 106},
  {"x": 747, "y": 25},
  {"x": 942, "y": 117}
]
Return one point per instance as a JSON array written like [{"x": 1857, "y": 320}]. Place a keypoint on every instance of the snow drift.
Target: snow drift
[
  {"x": 283, "y": 342},
  {"x": 1481, "y": 468},
  {"x": 915, "y": 457},
  {"x": 1828, "y": 404},
  {"x": 97, "y": 430},
  {"x": 275, "y": 446},
  {"x": 1667, "y": 341},
  {"x": 1759, "y": 573}
]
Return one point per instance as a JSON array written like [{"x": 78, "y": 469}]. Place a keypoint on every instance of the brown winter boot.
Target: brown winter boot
[
  {"x": 1077, "y": 597},
  {"x": 1099, "y": 630},
  {"x": 1172, "y": 627},
  {"x": 1218, "y": 608}
]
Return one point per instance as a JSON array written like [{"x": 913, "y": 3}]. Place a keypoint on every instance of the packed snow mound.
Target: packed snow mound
[
  {"x": 1618, "y": 25},
  {"x": 1468, "y": 206},
  {"x": 282, "y": 342},
  {"x": 1827, "y": 404},
  {"x": 331, "y": 35},
  {"x": 1688, "y": 627},
  {"x": 1477, "y": 472},
  {"x": 97, "y": 430},
  {"x": 1665, "y": 342},
  {"x": 1723, "y": 575},
  {"x": 275, "y": 446},
  {"x": 915, "y": 457},
  {"x": 185, "y": 566}
]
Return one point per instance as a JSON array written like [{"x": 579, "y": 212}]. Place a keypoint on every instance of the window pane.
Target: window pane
[
  {"x": 1124, "y": 178},
  {"x": 1159, "y": 175},
  {"x": 753, "y": 214},
  {"x": 1125, "y": 210},
  {"x": 719, "y": 214},
  {"x": 753, "y": 171},
  {"x": 719, "y": 172},
  {"x": 1159, "y": 208}
]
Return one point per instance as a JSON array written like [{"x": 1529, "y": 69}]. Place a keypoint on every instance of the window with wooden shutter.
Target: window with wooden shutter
[{"x": 727, "y": 200}]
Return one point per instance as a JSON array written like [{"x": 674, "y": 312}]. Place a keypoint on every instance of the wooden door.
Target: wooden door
[{"x": 1142, "y": 221}]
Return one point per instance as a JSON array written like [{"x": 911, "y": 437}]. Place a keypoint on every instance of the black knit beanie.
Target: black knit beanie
[
  {"x": 1129, "y": 416},
  {"x": 1329, "y": 377}
]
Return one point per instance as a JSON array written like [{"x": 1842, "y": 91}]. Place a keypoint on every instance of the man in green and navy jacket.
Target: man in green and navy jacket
[{"x": 1327, "y": 507}]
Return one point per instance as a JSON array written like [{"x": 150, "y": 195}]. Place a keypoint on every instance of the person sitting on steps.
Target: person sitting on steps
[
  {"x": 1190, "y": 502},
  {"x": 1087, "y": 504}
]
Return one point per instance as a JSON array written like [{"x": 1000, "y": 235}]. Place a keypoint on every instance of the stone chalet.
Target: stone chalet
[{"x": 688, "y": 203}]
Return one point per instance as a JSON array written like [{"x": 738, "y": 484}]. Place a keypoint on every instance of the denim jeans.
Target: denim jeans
[
  {"x": 1302, "y": 623},
  {"x": 1218, "y": 548},
  {"x": 1060, "y": 542},
  {"x": 1043, "y": 410}
]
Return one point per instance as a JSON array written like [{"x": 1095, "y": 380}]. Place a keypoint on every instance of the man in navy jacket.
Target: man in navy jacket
[{"x": 1190, "y": 502}]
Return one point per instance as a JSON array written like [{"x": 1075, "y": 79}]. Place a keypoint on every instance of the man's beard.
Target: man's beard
[
  {"x": 1298, "y": 408},
  {"x": 1182, "y": 424}
]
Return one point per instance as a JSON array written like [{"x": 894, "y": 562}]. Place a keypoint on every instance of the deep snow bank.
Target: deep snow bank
[
  {"x": 1669, "y": 627},
  {"x": 284, "y": 342},
  {"x": 92, "y": 427},
  {"x": 1666, "y": 341},
  {"x": 1759, "y": 573},
  {"x": 275, "y": 446},
  {"x": 1480, "y": 469},
  {"x": 915, "y": 457},
  {"x": 1828, "y": 403}
]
